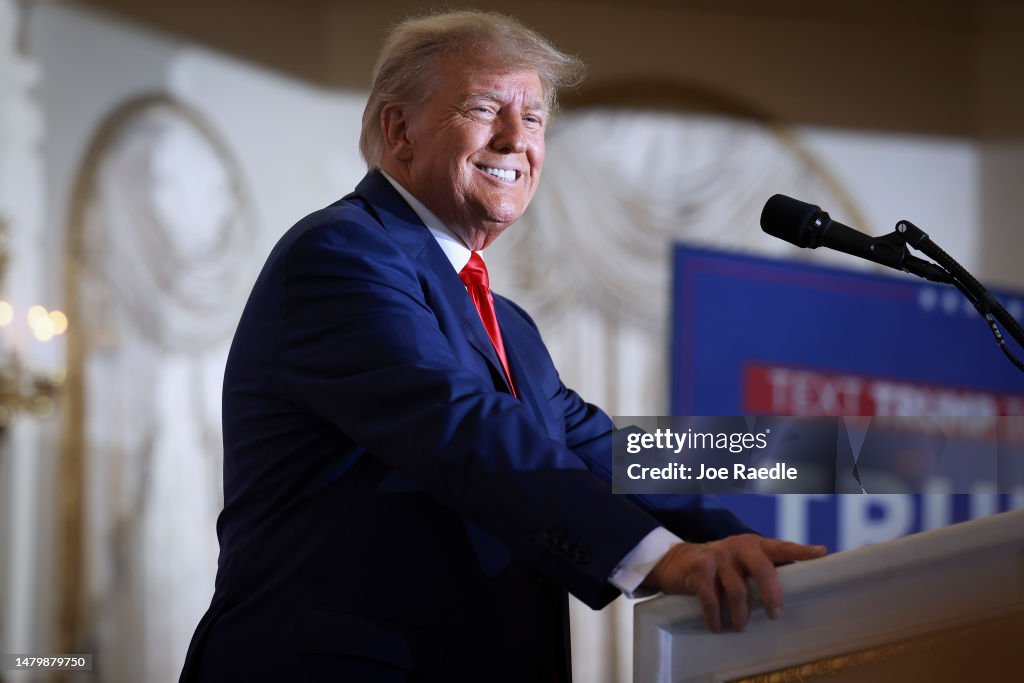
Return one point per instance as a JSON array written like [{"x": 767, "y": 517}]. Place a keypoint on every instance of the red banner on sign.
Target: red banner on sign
[{"x": 778, "y": 390}]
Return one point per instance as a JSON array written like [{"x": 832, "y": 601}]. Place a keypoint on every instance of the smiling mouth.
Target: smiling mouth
[{"x": 507, "y": 175}]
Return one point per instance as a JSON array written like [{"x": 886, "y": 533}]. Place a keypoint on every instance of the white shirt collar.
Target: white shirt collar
[{"x": 457, "y": 252}]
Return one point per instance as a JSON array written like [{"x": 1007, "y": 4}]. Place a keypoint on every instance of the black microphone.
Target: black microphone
[{"x": 806, "y": 225}]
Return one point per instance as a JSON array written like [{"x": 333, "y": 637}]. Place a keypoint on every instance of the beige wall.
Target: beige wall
[
  {"x": 941, "y": 67},
  {"x": 1000, "y": 83},
  {"x": 936, "y": 68}
]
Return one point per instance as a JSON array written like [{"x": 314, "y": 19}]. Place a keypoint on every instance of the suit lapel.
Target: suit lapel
[
  {"x": 455, "y": 292},
  {"x": 404, "y": 225},
  {"x": 527, "y": 390}
]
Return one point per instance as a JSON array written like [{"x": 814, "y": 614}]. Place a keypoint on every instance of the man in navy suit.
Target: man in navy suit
[{"x": 410, "y": 490}]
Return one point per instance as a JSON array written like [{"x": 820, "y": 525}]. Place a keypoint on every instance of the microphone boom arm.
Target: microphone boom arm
[{"x": 986, "y": 304}]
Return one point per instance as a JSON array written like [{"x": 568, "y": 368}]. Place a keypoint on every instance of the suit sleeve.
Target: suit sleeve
[
  {"x": 361, "y": 348},
  {"x": 592, "y": 436}
]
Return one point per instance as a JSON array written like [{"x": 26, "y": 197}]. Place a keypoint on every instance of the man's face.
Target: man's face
[{"x": 476, "y": 148}]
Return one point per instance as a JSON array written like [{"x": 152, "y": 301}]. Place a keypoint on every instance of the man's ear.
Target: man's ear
[{"x": 394, "y": 125}]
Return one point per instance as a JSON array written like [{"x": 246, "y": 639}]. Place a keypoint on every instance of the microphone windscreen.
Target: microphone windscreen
[{"x": 789, "y": 219}]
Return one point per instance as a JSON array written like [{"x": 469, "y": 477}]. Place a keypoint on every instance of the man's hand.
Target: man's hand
[{"x": 708, "y": 570}]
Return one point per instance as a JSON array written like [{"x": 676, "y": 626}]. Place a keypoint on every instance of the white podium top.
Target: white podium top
[{"x": 843, "y": 603}]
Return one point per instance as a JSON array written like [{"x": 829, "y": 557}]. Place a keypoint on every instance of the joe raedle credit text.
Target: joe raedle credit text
[
  {"x": 667, "y": 455},
  {"x": 818, "y": 454},
  {"x": 730, "y": 443}
]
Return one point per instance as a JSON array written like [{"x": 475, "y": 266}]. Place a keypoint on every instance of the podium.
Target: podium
[{"x": 944, "y": 605}]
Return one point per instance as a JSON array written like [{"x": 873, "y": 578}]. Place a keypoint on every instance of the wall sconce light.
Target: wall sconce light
[{"x": 31, "y": 359}]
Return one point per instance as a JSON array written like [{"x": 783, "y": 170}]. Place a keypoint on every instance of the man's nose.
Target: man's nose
[{"x": 510, "y": 135}]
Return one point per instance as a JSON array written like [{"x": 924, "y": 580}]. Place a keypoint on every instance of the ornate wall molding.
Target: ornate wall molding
[{"x": 159, "y": 263}]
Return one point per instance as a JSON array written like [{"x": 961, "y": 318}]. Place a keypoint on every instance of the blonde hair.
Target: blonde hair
[{"x": 407, "y": 66}]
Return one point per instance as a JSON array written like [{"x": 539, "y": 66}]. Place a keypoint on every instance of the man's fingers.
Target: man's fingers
[
  {"x": 735, "y": 588},
  {"x": 760, "y": 564},
  {"x": 708, "y": 596},
  {"x": 762, "y": 570},
  {"x": 786, "y": 551},
  {"x": 705, "y": 569},
  {"x": 701, "y": 581}
]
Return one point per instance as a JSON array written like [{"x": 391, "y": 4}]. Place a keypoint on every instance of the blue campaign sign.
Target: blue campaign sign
[{"x": 757, "y": 336}]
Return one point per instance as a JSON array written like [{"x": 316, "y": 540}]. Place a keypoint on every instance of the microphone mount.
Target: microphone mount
[
  {"x": 987, "y": 305},
  {"x": 891, "y": 250}
]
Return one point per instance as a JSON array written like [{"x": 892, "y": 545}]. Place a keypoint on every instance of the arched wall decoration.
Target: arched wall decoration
[
  {"x": 632, "y": 168},
  {"x": 159, "y": 262},
  {"x": 694, "y": 98}
]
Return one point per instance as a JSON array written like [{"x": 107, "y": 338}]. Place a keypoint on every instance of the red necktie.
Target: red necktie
[{"x": 474, "y": 276}]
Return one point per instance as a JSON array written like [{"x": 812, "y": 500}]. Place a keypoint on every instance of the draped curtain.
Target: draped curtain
[{"x": 166, "y": 264}]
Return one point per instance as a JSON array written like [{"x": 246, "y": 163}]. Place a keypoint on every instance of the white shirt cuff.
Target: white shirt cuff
[{"x": 639, "y": 562}]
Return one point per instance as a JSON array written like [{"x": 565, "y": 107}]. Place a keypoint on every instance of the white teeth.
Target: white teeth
[{"x": 503, "y": 173}]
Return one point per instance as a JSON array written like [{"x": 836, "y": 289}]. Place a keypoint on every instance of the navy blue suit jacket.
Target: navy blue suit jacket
[{"x": 388, "y": 502}]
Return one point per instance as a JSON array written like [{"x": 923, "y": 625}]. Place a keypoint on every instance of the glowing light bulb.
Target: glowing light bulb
[
  {"x": 43, "y": 329},
  {"x": 35, "y": 314},
  {"x": 59, "y": 320}
]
